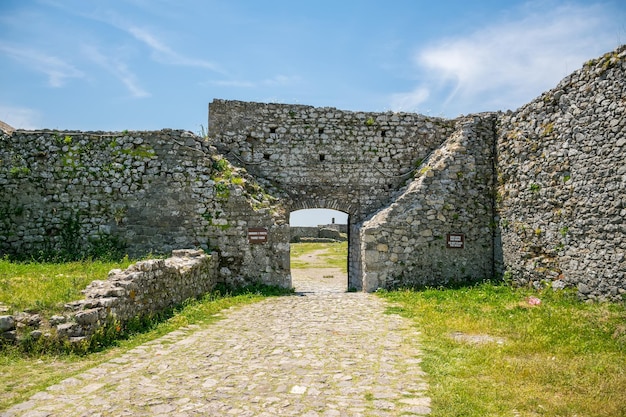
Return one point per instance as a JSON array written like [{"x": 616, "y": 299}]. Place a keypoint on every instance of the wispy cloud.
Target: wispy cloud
[
  {"x": 20, "y": 117},
  {"x": 166, "y": 55},
  {"x": 275, "y": 81},
  {"x": 504, "y": 65},
  {"x": 161, "y": 51},
  {"x": 56, "y": 69},
  {"x": 118, "y": 69},
  {"x": 409, "y": 101}
]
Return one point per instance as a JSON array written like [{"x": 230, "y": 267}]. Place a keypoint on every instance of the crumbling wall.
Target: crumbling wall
[
  {"x": 144, "y": 289},
  {"x": 439, "y": 230},
  {"x": 562, "y": 183}
]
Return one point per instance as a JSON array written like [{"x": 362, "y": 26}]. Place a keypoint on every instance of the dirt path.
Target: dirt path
[{"x": 315, "y": 279}]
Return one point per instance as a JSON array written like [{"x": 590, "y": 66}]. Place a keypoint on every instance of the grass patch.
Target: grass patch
[
  {"x": 559, "y": 358},
  {"x": 326, "y": 255},
  {"x": 45, "y": 287},
  {"x": 24, "y": 375}
]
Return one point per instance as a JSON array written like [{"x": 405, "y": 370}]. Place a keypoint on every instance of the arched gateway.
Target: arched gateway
[{"x": 311, "y": 157}]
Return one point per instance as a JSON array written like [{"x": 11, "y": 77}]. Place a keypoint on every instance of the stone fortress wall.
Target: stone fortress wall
[
  {"x": 535, "y": 195},
  {"x": 326, "y": 158},
  {"x": 408, "y": 242},
  {"x": 152, "y": 191},
  {"x": 562, "y": 183}
]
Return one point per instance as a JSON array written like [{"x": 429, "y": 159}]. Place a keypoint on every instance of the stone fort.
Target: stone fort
[{"x": 535, "y": 196}]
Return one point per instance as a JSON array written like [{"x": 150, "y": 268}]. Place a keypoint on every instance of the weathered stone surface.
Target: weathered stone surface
[
  {"x": 562, "y": 183},
  {"x": 455, "y": 198},
  {"x": 7, "y": 323},
  {"x": 153, "y": 191}
]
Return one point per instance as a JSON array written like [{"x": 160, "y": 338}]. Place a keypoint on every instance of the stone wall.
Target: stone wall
[
  {"x": 329, "y": 231},
  {"x": 326, "y": 158},
  {"x": 406, "y": 244},
  {"x": 299, "y": 232},
  {"x": 144, "y": 289},
  {"x": 562, "y": 183},
  {"x": 150, "y": 191}
]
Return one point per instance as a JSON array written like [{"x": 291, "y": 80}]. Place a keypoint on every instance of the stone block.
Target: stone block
[{"x": 7, "y": 323}]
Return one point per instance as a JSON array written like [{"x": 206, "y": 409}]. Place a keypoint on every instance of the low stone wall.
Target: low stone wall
[
  {"x": 296, "y": 233},
  {"x": 145, "y": 288},
  {"x": 325, "y": 233}
]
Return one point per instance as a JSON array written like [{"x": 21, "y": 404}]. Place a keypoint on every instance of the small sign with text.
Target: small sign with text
[
  {"x": 455, "y": 241},
  {"x": 257, "y": 235}
]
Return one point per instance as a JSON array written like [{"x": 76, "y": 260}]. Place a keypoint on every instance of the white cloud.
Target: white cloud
[
  {"x": 278, "y": 80},
  {"x": 164, "y": 54},
  {"x": 509, "y": 63},
  {"x": 19, "y": 117},
  {"x": 118, "y": 69},
  {"x": 411, "y": 101},
  {"x": 56, "y": 69}
]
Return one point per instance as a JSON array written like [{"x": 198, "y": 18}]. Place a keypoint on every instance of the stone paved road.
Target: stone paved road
[{"x": 322, "y": 352}]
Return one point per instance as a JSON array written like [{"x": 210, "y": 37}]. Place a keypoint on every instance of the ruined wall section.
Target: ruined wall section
[
  {"x": 562, "y": 183},
  {"x": 324, "y": 157},
  {"x": 405, "y": 244},
  {"x": 69, "y": 192},
  {"x": 144, "y": 289}
]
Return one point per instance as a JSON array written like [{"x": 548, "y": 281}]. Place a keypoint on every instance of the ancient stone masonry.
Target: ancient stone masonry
[
  {"x": 408, "y": 243},
  {"x": 321, "y": 233},
  {"x": 562, "y": 183},
  {"x": 150, "y": 191},
  {"x": 326, "y": 158},
  {"x": 144, "y": 289}
]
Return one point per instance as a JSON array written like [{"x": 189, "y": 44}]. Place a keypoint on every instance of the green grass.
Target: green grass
[
  {"x": 559, "y": 358},
  {"x": 331, "y": 255},
  {"x": 45, "y": 287},
  {"x": 24, "y": 375}
]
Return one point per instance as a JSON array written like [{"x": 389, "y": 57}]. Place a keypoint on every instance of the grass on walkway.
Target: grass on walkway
[
  {"x": 45, "y": 288},
  {"x": 558, "y": 358},
  {"x": 331, "y": 255}
]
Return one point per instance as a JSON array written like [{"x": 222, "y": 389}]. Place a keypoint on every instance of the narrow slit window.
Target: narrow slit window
[
  {"x": 322, "y": 157},
  {"x": 266, "y": 156}
]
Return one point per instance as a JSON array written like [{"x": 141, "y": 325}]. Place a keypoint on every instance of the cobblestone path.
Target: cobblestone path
[{"x": 321, "y": 352}]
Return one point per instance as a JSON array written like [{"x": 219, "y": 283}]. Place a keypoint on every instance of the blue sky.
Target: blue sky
[{"x": 152, "y": 64}]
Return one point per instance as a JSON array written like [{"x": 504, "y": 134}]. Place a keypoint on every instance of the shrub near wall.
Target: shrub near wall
[{"x": 562, "y": 183}]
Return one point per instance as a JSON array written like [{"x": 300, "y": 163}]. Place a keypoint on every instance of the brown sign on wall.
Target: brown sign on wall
[
  {"x": 257, "y": 235},
  {"x": 455, "y": 241}
]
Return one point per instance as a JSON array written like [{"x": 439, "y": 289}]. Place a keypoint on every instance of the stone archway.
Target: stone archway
[{"x": 354, "y": 254}]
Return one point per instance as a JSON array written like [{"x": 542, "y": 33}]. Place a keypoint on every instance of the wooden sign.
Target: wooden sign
[
  {"x": 455, "y": 241},
  {"x": 257, "y": 235}
]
